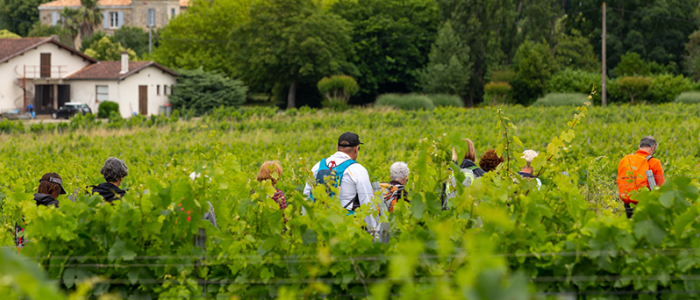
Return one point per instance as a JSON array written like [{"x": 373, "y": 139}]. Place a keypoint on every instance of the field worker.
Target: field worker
[
  {"x": 50, "y": 186},
  {"x": 639, "y": 170},
  {"x": 395, "y": 190},
  {"x": 351, "y": 178},
  {"x": 272, "y": 171},
  {"x": 489, "y": 161},
  {"x": 113, "y": 171}
]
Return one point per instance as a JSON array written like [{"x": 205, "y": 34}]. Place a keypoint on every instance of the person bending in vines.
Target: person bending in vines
[
  {"x": 113, "y": 171},
  {"x": 50, "y": 187}
]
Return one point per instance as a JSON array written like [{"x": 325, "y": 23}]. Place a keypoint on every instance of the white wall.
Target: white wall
[
  {"x": 9, "y": 91},
  {"x": 86, "y": 91},
  {"x": 151, "y": 77}
]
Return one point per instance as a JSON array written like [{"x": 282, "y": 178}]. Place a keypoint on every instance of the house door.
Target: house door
[
  {"x": 63, "y": 94},
  {"x": 143, "y": 99},
  {"x": 43, "y": 98},
  {"x": 45, "y": 67}
]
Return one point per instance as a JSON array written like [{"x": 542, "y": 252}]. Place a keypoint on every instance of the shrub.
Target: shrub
[
  {"x": 631, "y": 64},
  {"x": 688, "y": 97},
  {"x": 443, "y": 100},
  {"x": 503, "y": 75},
  {"x": 335, "y": 105},
  {"x": 562, "y": 99},
  {"x": 665, "y": 88},
  {"x": 338, "y": 88},
  {"x": 497, "y": 91},
  {"x": 634, "y": 86},
  {"x": 406, "y": 102},
  {"x": 577, "y": 81},
  {"x": 106, "y": 108},
  {"x": 198, "y": 91}
]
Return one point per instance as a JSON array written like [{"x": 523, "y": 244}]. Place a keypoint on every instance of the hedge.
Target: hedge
[
  {"x": 443, "y": 100},
  {"x": 106, "y": 108},
  {"x": 688, "y": 97},
  {"x": 562, "y": 99},
  {"x": 406, "y": 102}
]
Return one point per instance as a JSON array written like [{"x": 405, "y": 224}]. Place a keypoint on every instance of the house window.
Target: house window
[
  {"x": 158, "y": 90},
  {"x": 165, "y": 90},
  {"x": 172, "y": 13},
  {"x": 113, "y": 20},
  {"x": 102, "y": 93}
]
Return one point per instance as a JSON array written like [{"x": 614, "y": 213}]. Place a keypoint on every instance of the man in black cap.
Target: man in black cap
[{"x": 351, "y": 178}]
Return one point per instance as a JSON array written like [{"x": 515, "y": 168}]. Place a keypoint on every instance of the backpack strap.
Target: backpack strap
[{"x": 340, "y": 170}]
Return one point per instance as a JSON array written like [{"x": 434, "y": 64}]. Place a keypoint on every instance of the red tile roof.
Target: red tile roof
[
  {"x": 10, "y": 48},
  {"x": 63, "y": 3},
  {"x": 184, "y": 3},
  {"x": 109, "y": 70}
]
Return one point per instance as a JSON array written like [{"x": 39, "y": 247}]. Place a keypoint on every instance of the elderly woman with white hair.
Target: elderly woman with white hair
[
  {"x": 113, "y": 171},
  {"x": 396, "y": 189}
]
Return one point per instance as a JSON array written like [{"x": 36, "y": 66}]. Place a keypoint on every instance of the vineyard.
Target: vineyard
[{"x": 502, "y": 237}]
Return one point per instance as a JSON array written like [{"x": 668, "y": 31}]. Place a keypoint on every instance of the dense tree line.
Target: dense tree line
[{"x": 281, "y": 48}]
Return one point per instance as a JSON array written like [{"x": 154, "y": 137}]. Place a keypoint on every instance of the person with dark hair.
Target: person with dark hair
[
  {"x": 490, "y": 160},
  {"x": 637, "y": 171},
  {"x": 113, "y": 171},
  {"x": 50, "y": 187},
  {"x": 347, "y": 175}
]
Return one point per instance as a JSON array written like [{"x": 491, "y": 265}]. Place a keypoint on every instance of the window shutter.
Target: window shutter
[
  {"x": 54, "y": 18},
  {"x": 105, "y": 20},
  {"x": 121, "y": 19}
]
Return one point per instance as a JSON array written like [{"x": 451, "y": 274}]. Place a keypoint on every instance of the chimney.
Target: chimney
[{"x": 125, "y": 63}]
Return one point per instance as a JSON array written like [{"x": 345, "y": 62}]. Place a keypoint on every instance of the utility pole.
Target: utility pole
[
  {"x": 151, "y": 22},
  {"x": 603, "y": 93}
]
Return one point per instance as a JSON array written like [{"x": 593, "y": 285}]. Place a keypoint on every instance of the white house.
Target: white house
[{"x": 47, "y": 73}]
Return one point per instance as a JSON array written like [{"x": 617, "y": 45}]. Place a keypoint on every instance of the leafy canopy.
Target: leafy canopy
[
  {"x": 290, "y": 41},
  {"x": 449, "y": 68},
  {"x": 6, "y": 34},
  {"x": 203, "y": 91},
  {"x": 535, "y": 67},
  {"x": 200, "y": 36},
  {"x": 107, "y": 50},
  {"x": 391, "y": 40},
  {"x": 20, "y": 15}
]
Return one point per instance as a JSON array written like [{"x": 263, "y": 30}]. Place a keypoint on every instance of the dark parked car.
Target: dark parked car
[{"x": 69, "y": 109}]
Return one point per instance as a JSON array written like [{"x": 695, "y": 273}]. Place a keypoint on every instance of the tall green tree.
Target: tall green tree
[
  {"x": 89, "y": 16},
  {"x": 202, "y": 36},
  {"x": 135, "y": 38},
  {"x": 535, "y": 65},
  {"x": 450, "y": 68},
  {"x": 19, "y": 16},
  {"x": 287, "y": 42},
  {"x": 691, "y": 61},
  {"x": 69, "y": 21},
  {"x": 391, "y": 39},
  {"x": 656, "y": 30},
  {"x": 475, "y": 21}
]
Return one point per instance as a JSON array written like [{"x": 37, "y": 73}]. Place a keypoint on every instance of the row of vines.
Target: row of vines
[{"x": 502, "y": 238}]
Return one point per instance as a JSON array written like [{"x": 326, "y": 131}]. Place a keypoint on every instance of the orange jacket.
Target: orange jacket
[{"x": 637, "y": 159}]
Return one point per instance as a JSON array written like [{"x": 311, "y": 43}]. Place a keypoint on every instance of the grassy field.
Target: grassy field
[{"x": 249, "y": 255}]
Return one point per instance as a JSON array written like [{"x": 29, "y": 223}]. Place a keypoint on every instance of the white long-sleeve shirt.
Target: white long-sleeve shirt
[{"x": 355, "y": 182}]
